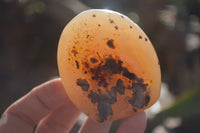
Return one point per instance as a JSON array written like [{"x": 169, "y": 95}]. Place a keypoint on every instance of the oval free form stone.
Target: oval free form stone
[{"x": 108, "y": 65}]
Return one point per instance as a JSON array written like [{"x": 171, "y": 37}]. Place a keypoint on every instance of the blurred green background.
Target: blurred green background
[{"x": 29, "y": 34}]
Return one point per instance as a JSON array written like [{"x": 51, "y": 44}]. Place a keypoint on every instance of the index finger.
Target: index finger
[{"x": 25, "y": 113}]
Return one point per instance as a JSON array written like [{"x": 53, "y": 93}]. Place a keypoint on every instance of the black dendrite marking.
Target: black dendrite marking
[{"x": 140, "y": 96}]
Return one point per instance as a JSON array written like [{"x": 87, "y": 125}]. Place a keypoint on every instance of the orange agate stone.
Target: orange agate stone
[{"x": 108, "y": 65}]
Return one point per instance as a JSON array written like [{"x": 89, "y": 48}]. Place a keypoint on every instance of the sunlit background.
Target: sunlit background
[{"x": 29, "y": 34}]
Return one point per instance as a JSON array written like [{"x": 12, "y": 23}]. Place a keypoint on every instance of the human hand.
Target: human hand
[{"x": 49, "y": 107}]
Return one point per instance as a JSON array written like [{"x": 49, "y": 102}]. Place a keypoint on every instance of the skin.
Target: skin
[{"x": 49, "y": 107}]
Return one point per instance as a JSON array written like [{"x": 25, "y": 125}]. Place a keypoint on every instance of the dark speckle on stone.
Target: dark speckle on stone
[
  {"x": 92, "y": 70},
  {"x": 103, "y": 104},
  {"x": 104, "y": 110},
  {"x": 111, "y": 65},
  {"x": 87, "y": 36},
  {"x": 93, "y": 96},
  {"x": 111, "y": 21},
  {"x": 140, "y": 37},
  {"x": 111, "y": 44},
  {"x": 93, "y": 60},
  {"x": 94, "y": 15},
  {"x": 99, "y": 25},
  {"x": 77, "y": 64},
  {"x": 116, "y": 27},
  {"x": 74, "y": 52},
  {"x": 102, "y": 81},
  {"x": 98, "y": 55},
  {"x": 128, "y": 74},
  {"x": 120, "y": 87},
  {"x": 131, "y": 27},
  {"x": 139, "y": 86},
  {"x": 132, "y": 100},
  {"x": 146, "y": 39},
  {"x": 138, "y": 99},
  {"x": 83, "y": 84},
  {"x": 113, "y": 94},
  {"x": 147, "y": 99},
  {"x": 99, "y": 90},
  {"x": 134, "y": 109},
  {"x": 86, "y": 64},
  {"x": 122, "y": 16}
]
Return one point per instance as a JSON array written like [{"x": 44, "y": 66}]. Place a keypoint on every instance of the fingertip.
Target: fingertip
[
  {"x": 136, "y": 123},
  {"x": 35, "y": 105},
  {"x": 92, "y": 126},
  {"x": 52, "y": 93},
  {"x": 60, "y": 120},
  {"x": 51, "y": 84}
]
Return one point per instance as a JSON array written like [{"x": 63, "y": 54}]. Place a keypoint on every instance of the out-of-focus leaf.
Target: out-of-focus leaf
[{"x": 186, "y": 106}]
